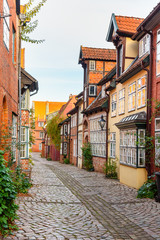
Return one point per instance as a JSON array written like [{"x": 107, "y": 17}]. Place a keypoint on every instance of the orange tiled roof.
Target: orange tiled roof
[
  {"x": 96, "y": 104},
  {"x": 98, "y": 53},
  {"x": 128, "y": 24}
]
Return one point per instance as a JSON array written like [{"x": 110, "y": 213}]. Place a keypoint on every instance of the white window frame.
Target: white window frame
[
  {"x": 65, "y": 129},
  {"x": 14, "y": 136},
  {"x": 158, "y": 53},
  {"x": 140, "y": 90},
  {"x": 74, "y": 147},
  {"x": 40, "y": 146},
  {"x": 92, "y": 65},
  {"x": 122, "y": 101},
  {"x": 144, "y": 45},
  {"x": 113, "y": 145},
  {"x": 65, "y": 148},
  {"x": 24, "y": 142},
  {"x": 40, "y": 124},
  {"x": 6, "y": 23},
  {"x": 120, "y": 53},
  {"x": 103, "y": 93},
  {"x": 95, "y": 90},
  {"x": 41, "y": 134},
  {"x": 113, "y": 104},
  {"x": 130, "y": 96}
]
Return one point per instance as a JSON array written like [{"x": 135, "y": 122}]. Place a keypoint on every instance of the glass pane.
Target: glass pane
[{"x": 157, "y": 124}]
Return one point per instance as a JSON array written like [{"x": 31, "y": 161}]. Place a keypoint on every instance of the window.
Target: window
[
  {"x": 157, "y": 141},
  {"x": 144, "y": 45},
  {"x": 13, "y": 45},
  {"x": 113, "y": 104},
  {"x": 80, "y": 116},
  {"x": 122, "y": 101},
  {"x": 6, "y": 24},
  {"x": 75, "y": 147},
  {"x": 40, "y": 124},
  {"x": 103, "y": 94},
  {"x": 92, "y": 90},
  {"x": 120, "y": 59},
  {"x": 92, "y": 65},
  {"x": 73, "y": 120},
  {"x": 141, "y": 94},
  {"x": 65, "y": 148},
  {"x": 132, "y": 97},
  {"x": 40, "y": 146},
  {"x": 113, "y": 145},
  {"x": 79, "y": 144},
  {"x": 158, "y": 53},
  {"x": 65, "y": 129},
  {"x": 24, "y": 152},
  {"x": 41, "y": 134},
  {"x": 14, "y": 136},
  {"x": 85, "y": 94},
  {"x": 23, "y": 101},
  {"x": 128, "y": 147},
  {"x": 61, "y": 149},
  {"x": 97, "y": 138},
  {"x": 61, "y": 130},
  {"x": 68, "y": 128}
]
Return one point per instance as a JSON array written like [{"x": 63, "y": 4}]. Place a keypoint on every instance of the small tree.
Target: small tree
[
  {"x": 87, "y": 154},
  {"x": 53, "y": 130},
  {"x": 32, "y": 127}
]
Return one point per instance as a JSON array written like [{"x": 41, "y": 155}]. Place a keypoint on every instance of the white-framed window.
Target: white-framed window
[
  {"x": 13, "y": 45},
  {"x": 144, "y": 45},
  {"x": 85, "y": 94},
  {"x": 157, "y": 141},
  {"x": 97, "y": 138},
  {"x": 61, "y": 149},
  {"x": 68, "y": 128},
  {"x": 132, "y": 97},
  {"x": 103, "y": 93},
  {"x": 6, "y": 20},
  {"x": 120, "y": 58},
  {"x": 24, "y": 152},
  {"x": 113, "y": 104},
  {"x": 41, "y": 134},
  {"x": 92, "y": 90},
  {"x": 74, "y": 120},
  {"x": 40, "y": 124},
  {"x": 141, "y": 92},
  {"x": 92, "y": 65},
  {"x": 80, "y": 144},
  {"x": 122, "y": 101},
  {"x": 14, "y": 136},
  {"x": 158, "y": 53},
  {"x": 65, "y": 129},
  {"x": 61, "y": 130},
  {"x": 80, "y": 115},
  {"x": 75, "y": 147},
  {"x": 128, "y": 147},
  {"x": 113, "y": 145},
  {"x": 65, "y": 148},
  {"x": 40, "y": 146}
]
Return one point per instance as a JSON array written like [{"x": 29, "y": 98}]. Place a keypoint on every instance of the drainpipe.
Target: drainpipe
[
  {"x": 107, "y": 111},
  {"x": 149, "y": 94},
  {"x": 77, "y": 137}
]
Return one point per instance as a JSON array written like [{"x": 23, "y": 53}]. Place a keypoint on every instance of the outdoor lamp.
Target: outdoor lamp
[{"x": 101, "y": 122}]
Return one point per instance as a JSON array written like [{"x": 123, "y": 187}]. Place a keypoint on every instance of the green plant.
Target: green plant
[
  {"x": 21, "y": 182},
  {"x": 111, "y": 169},
  {"x": 66, "y": 160},
  {"x": 53, "y": 130},
  {"x": 87, "y": 154},
  {"x": 148, "y": 189},
  {"x": 7, "y": 199},
  {"x": 49, "y": 159}
]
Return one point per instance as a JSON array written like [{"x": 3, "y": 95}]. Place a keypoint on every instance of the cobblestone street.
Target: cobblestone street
[{"x": 68, "y": 203}]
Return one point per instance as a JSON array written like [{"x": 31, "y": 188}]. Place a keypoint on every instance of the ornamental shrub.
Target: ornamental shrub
[
  {"x": 7, "y": 198},
  {"x": 111, "y": 169},
  {"x": 87, "y": 154},
  {"x": 66, "y": 160},
  {"x": 148, "y": 189}
]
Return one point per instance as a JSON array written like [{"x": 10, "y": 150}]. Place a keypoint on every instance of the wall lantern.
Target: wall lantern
[{"x": 101, "y": 122}]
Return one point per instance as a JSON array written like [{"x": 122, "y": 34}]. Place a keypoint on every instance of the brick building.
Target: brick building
[{"x": 9, "y": 36}]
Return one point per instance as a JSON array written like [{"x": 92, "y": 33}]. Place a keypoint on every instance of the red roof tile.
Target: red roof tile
[
  {"x": 128, "y": 24},
  {"x": 98, "y": 53},
  {"x": 96, "y": 104}
]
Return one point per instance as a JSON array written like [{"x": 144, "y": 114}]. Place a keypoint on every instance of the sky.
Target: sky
[{"x": 66, "y": 25}]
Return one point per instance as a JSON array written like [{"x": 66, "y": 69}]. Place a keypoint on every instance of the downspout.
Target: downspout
[
  {"x": 77, "y": 137},
  {"x": 107, "y": 111},
  {"x": 149, "y": 95}
]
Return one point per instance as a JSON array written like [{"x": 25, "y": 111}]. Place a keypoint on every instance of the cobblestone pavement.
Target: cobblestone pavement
[{"x": 68, "y": 203}]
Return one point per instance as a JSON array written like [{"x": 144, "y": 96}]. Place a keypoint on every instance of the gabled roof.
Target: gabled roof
[
  {"x": 152, "y": 20},
  {"x": 29, "y": 81},
  {"x": 97, "y": 105},
  {"x": 107, "y": 77},
  {"x": 122, "y": 25},
  {"x": 68, "y": 106},
  {"x": 88, "y": 53}
]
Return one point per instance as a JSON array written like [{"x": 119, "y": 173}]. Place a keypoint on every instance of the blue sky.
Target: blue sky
[{"x": 65, "y": 25}]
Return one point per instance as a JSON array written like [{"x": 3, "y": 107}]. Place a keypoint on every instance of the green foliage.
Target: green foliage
[
  {"x": 7, "y": 197},
  {"x": 53, "y": 130},
  {"x": 87, "y": 154},
  {"x": 29, "y": 26},
  {"x": 66, "y": 160},
  {"x": 49, "y": 159},
  {"x": 21, "y": 182},
  {"x": 111, "y": 169},
  {"x": 148, "y": 189},
  {"x": 32, "y": 127}
]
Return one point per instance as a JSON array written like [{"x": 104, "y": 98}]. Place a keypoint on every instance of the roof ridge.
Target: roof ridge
[
  {"x": 100, "y": 48},
  {"x": 128, "y": 17}
]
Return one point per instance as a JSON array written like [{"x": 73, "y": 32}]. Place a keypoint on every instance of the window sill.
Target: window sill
[
  {"x": 141, "y": 106},
  {"x": 121, "y": 113},
  {"x": 132, "y": 110},
  {"x": 113, "y": 115},
  {"x": 129, "y": 165}
]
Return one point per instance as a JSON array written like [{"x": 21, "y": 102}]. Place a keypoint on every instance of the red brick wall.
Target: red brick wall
[
  {"x": 38, "y": 140},
  {"x": 73, "y": 159}
]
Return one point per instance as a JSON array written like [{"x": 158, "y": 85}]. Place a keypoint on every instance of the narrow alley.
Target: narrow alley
[{"x": 69, "y": 203}]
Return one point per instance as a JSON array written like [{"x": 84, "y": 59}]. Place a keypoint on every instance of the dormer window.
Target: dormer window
[
  {"x": 120, "y": 60},
  {"x": 92, "y": 90},
  {"x": 92, "y": 65},
  {"x": 144, "y": 44}
]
